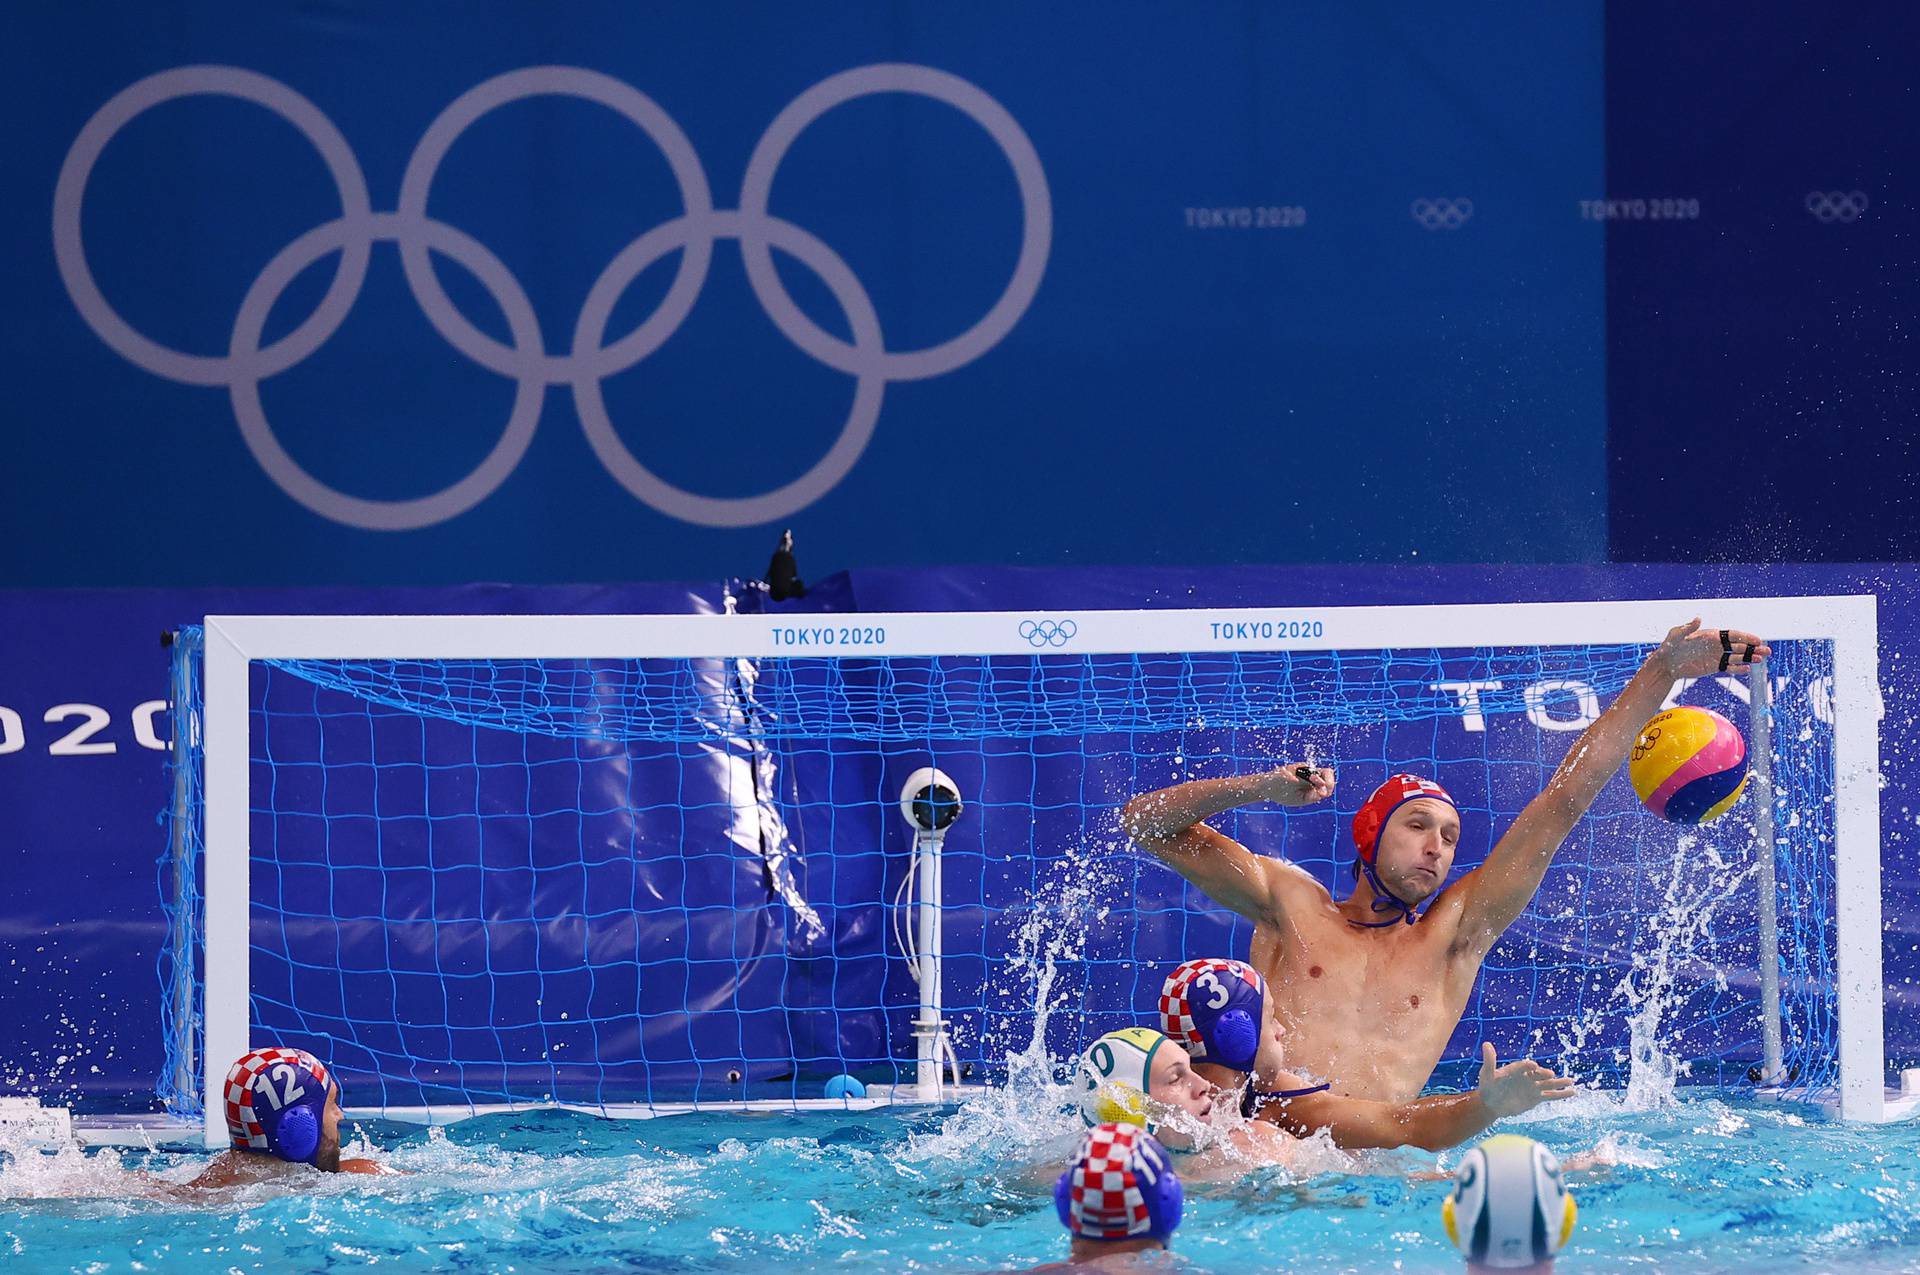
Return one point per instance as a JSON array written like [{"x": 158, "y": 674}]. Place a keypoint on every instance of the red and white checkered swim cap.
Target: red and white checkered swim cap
[
  {"x": 275, "y": 1100},
  {"x": 1387, "y": 798},
  {"x": 1120, "y": 1186},
  {"x": 1212, "y": 1009}
]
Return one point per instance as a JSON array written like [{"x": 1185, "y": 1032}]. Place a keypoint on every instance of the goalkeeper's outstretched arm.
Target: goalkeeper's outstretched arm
[
  {"x": 1497, "y": 892},
  {"x": 1168, "y": 824}
]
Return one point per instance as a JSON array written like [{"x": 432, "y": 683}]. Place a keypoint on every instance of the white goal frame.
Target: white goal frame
[{"x": 234, "y": 642}]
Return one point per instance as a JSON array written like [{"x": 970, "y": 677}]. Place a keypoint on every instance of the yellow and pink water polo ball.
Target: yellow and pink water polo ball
[{"x": 1689, "y": 765}]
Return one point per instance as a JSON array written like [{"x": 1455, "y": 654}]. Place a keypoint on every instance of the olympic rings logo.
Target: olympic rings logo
[
  {"x": 1442, "y": 214},
  {"x": 1048, "y": 632},
  {"x": 592, "y": 356},
  {"x": 1837, "y": 205}
]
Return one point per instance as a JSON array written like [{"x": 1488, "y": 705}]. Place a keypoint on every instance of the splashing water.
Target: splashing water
[
  {"x": 1035, "y": 991},
  {"x": 30, "y": 1172},
  {"x": 1671, "y": 960},
  {"x": 1048, "y": 946},
  {"x": 1700, "y": 883}
]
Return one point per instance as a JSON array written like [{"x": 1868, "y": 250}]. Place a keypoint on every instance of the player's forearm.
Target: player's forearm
[
  {"x": 1444, "y": 1120},
  {"x": 1603, "y": 747},
  {"x": 1432, "y": 1124},
  {"x": 1155, "y": 816}
]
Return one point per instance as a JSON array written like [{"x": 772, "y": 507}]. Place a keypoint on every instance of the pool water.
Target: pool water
[{"x": 1711, "y": 1182}]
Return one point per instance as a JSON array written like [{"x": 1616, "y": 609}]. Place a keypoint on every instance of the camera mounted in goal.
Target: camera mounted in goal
[{"x": 930, "y": 801}]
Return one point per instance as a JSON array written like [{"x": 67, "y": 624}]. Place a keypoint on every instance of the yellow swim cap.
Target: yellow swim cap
[
  {"x": 1509, "y": 1206},
  {"x": 1114, "y": 1074}
]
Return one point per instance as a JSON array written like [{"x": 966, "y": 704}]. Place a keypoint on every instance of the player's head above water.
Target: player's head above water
[
  {"x": 1509, "y": 1208},
  {"x": 282, "y": 1102},
  {"x": 1404, "y": 837},
  {"x": 1120, "y": 1187},
  {"x": 1138, "y": 1076},
  {"x": 1214, "y": 1009}
]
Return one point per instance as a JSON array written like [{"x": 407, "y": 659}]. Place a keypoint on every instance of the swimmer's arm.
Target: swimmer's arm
[
  {"x": 1433, "y": 1123},
  {"x": 154, "y": 1187},
  {"x": 225, "y": 1171},
  {"x": 1495, "y": 894},
  {"x": 1168, "y": 825}
]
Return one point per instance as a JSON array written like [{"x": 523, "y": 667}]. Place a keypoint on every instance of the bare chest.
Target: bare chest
[{"x": 1369, "y": 1010}]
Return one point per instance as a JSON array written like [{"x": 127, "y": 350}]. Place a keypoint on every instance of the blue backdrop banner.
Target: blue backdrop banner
[{"x": 363, "y": 294}]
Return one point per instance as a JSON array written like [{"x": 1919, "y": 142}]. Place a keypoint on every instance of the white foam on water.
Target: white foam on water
[
  {"x": 29, "y": 1172},
  {"x": 1031, "y": 1115},
  {"x": 1671, "y": 957},
  {"x": 1699, "y": 883},
  {"x": 1030, "y": 1125}
]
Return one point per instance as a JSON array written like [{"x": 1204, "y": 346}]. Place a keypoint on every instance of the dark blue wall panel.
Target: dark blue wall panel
[
  {"x": 1761, "y": 368},
  {"x": 1314, "y": 289}
]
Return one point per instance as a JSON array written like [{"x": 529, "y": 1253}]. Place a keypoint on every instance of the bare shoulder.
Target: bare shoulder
[
  {"x": 369, "y": 1166},
  {"x": 1288, "y": 894},
  {"x": 1292, "y": 884},
  {"x": 1446, "y": 920},
  {"x": 236, "y": 1168}
]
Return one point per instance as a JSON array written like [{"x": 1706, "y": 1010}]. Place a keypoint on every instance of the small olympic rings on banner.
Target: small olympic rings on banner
[
  {"x": 1048, "y": 632},
  {"x": 1442, "y": 214},
  {"x": 1837, "y": 205}
]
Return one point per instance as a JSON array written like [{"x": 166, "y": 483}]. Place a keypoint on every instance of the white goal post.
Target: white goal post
[{"x": 232, "y": 643}]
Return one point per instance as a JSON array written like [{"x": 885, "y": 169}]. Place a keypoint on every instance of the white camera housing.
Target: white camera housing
[{"x": 930, "y": 801}]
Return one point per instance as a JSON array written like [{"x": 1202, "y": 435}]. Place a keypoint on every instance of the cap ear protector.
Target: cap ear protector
[
  {"x": 1120, "y": 1186},
  {"x": 1509, "y": 1206},
  {"x": 1114, "y": 1077},
  {"x": 298, "y": 1135},
  {"x": 1212, "y": 1008},
  {"x": 1236, "y": 1039}
]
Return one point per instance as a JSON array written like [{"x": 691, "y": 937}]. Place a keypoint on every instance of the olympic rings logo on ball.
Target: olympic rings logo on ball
[
  {"x": 591, "y": 357},
  {"x": 1837, "y": 205},
  {"x": 1048, "y": 632},
  {"x": 1442, "y": 214}
]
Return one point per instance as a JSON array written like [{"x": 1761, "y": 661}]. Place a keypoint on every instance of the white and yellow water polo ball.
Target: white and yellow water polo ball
[
  {"x": 1510, "y": 1207},
  {"x": 1689, "y": 765},
  {"x": 1113, "y": 1078}
]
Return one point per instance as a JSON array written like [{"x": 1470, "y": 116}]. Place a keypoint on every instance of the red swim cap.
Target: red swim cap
[{"x": 1387, "y": 798}]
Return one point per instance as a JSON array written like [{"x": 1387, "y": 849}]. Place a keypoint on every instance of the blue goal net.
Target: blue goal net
[{"x": 660, "y": 881}]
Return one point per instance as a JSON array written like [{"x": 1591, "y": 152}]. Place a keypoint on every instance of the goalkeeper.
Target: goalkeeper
[{"x": 1367, "y": 989}]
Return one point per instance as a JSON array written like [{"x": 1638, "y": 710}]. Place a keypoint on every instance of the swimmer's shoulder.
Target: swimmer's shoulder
[
  {"x": 239, "y": 1168},
  {"x": 1042, "y": 1169},
  {"x": 373, "y": 1167},
  {"x": 1151, "y": 1260},
  {"x": 1266, "y": 1143}
]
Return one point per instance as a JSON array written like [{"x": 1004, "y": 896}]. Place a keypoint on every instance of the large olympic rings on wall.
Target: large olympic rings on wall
[{"x": 591, "y": 358}]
